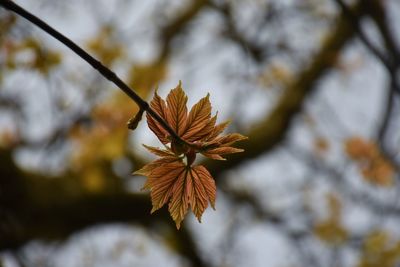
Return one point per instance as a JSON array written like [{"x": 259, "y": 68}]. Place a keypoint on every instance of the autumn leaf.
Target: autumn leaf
[
  {"x": 159, "y": 106},
  {"x": 373, "y": 165},
  {"x": 177, "y": 110},
  {"x": 172, "y": 178}
]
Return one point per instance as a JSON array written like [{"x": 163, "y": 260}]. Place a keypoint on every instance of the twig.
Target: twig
[
  {"x": 391, "y": 66},
  {"x": 256, "y": 51},
  {"x": 103, "y": 70},
  {"x": 354, "y": 20},
  {"x": 387, "y": 113},
  {"x": 379, "y": 15},
  {"x": 356, "y": 24}
]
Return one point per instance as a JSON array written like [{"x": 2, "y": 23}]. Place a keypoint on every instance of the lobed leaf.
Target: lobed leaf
[
  {"x": 195, "y": 188},
  {"x": 181, "y": 185},
  {"x": 172, "y": 180}
]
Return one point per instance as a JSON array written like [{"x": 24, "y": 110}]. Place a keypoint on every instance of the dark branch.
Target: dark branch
[
  {"x": 383, "y": 129},
  {"x": 39, "y": 207},
  {"x": 387, "y": 113},
  {"x": 379, "y": 15},
  {"x": 256, "y": 51},
  {"x": 355, "y": 22}
]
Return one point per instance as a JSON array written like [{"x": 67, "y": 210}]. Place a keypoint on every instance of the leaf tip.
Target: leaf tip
[
  {"x": 155, "y": 208},
  {"x": 177, "y": 223},
  {"x": 138, "y": 172},
  {"x": 156, "y": 91}
]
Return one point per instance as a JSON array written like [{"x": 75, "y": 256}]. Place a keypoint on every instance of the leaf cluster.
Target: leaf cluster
[{"x": 172, "y": 178}]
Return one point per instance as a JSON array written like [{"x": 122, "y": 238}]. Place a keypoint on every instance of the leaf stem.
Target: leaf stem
[{"x": 103, "y": 70}]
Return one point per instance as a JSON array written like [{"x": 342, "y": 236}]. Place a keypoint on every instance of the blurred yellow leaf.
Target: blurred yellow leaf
[
  {"x": 321, "y": 145},
  {"x": 331, "y": 230},
  {"x": 29, "y": 53},
  {"x": 275, "y": 74},
  {"x": 93, "y": 179},
  {"x": 145, "y": 77},
  {"x": 379, "y": 250},
  {"x": 105, "y": 46}
]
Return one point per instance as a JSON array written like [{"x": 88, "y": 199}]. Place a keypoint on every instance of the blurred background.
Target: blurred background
[{"x": 314, "y": 85}]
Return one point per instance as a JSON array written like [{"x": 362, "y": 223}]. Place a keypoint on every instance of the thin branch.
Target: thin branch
[
  {"x": 256, "y": 51},
  {"x": 382, "y": 131},
  {"x": 355, "y": 22},
  {"x": 391, "y": 65},
  {"x": 387, "y": 113},
  {"x": 379, "y": 15},
  {"x": 271, "y": 131},
  {"x": 103, "y": 70}
]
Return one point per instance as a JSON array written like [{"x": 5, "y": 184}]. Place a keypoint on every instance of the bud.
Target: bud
[{"x": 191, "y": 157}]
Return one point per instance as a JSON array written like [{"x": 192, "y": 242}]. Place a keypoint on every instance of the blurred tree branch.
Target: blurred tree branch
[
  {"x": 50, "y": 208},
  {"x": 272, "y": 130},
  {"x": 378, "y": 13},
  {"x": 232, "y": 32},
  {"x": 390, "y": 59},
  {"x": 178, "y": 24},
  {"x": 264, "y": 137}
]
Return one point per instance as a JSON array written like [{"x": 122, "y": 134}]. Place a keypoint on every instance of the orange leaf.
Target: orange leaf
[
  {"x": 213, "y": 156},
  {"x": 170, "y": 179},
  {"x": 208, "y": 182},
  {"x": 217, "y": 130},
  {"x": 181, "y": 185},
  {"x": 159, "y": 106},
  {"x": 177, "y": 110},
  {"x": 217, "y": 152},
  {"x": 229, "y": 139},
  {"x": 159, "y": 152},
  {"x": 205, "y": 131},
  {"x": 199, "y": 117},
  {"x": 148, "y": 168},
  {"x": 358, "y": 148},
  {"x": 195, "y": 188},
  {"x": 223, "y": 141},
  {"x": 224, "y": 150},
  {"x": 163, "y": 182}
]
